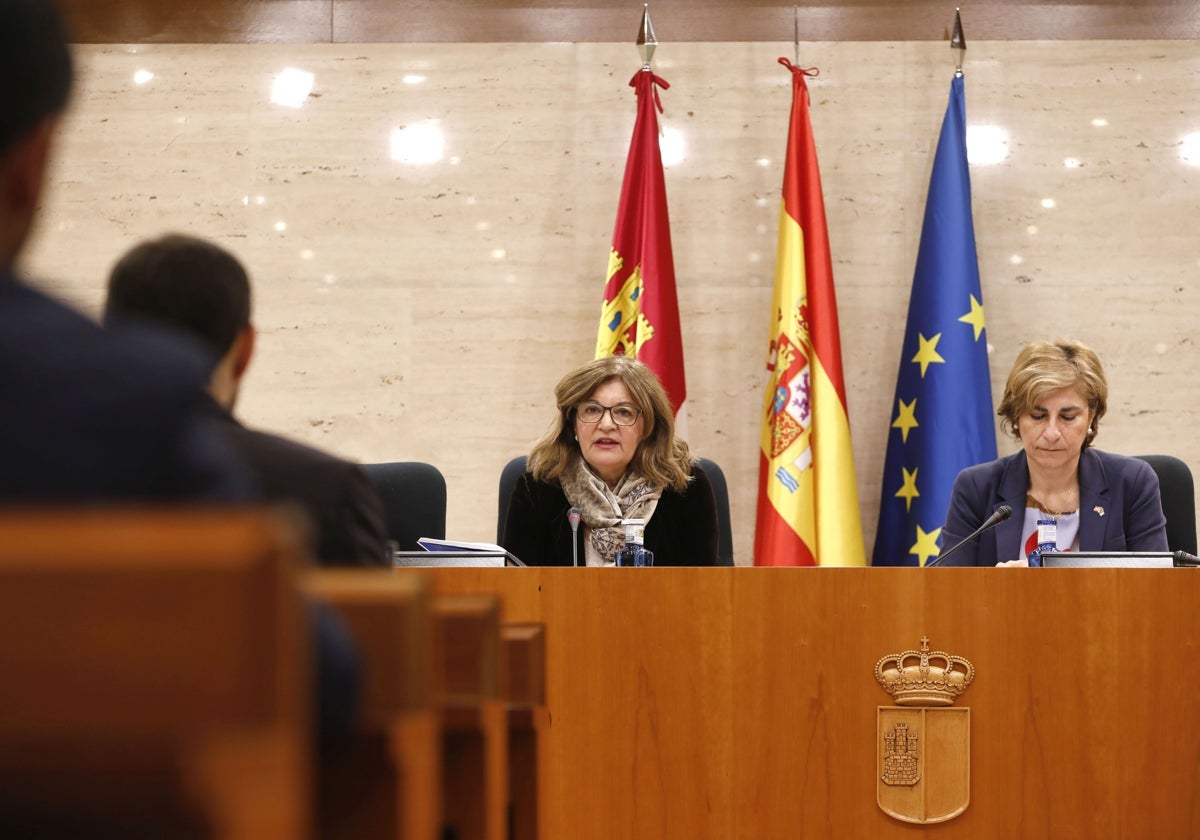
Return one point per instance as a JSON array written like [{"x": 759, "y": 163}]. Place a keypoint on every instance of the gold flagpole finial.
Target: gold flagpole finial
[
  {"x": 646, "y": 41},
  {"x": 958, "y": 45}
]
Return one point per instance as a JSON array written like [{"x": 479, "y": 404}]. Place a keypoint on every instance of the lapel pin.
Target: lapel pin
[{"x": 1099, "y": 510}]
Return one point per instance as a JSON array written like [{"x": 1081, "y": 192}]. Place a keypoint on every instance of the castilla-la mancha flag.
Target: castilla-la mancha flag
[
  {"x": 807, "y": 497},
  {"x": 640, "y": 316}
]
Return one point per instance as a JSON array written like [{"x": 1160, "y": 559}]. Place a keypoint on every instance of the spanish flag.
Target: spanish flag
[
  {"x": 640, "y": 314},
  {"x": 807, "y": 497}
]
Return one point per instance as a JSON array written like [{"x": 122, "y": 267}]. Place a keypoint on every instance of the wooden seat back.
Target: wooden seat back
[
  {"x": 387, "y": 783},
  {"x": 156, "y": 656}
]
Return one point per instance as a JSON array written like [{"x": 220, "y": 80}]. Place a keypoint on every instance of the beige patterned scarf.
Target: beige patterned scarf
[{"x": 603, "y": 509}]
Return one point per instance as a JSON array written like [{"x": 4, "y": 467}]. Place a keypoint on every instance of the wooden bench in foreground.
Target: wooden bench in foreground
[
  {"x": 467, "y": 668},
  {"x": 524, "y": 691},
  {"x": 387, "y": 784},
  {"x": 155, "y": 675}
]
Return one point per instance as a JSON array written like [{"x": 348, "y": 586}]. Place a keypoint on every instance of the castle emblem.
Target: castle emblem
[{"x": 900, "y": 757}]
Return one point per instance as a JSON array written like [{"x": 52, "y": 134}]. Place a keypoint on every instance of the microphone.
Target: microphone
[
  {"x": 573, "y": 517},
  {"x": 998, "y": 515},
  {"x": 1182, "y": 558}
]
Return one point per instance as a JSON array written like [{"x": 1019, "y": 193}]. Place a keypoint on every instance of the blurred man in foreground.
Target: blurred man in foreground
[{"x": 86, "y": 415}]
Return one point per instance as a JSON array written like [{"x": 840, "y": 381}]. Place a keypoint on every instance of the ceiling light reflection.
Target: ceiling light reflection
[
  {"x": 418, "y": 144},
  {"x": 413, "y": 78},
  {"x": 987, "y": 145},
  {"x": 672, "y": 146},
  {"x": 142, "y": 76},
  {"x": 1189, "y": 149},
  {"x": 291, "y": 87}
]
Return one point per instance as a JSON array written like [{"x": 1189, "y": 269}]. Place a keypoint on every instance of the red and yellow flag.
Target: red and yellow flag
[
  {"x": 807, "y": 497},
  {"x": 640, "y": 315}
]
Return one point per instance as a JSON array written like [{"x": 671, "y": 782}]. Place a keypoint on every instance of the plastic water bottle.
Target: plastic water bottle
[
  {"x": 1047, "y": 537},
  {"x": 635, "y": 552}
]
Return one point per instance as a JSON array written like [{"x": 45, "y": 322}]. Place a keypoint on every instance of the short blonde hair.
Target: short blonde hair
[
  {"x": 660, "y": 457},
  {"x": 1047, "y": 366}
]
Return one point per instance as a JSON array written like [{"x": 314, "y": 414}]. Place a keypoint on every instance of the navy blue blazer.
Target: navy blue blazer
[
  {"x": 1119, "y": 508},
  {"x": 89, "y": 414}
]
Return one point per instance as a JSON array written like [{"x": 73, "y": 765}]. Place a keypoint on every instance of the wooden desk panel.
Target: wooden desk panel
[{"x": 741, "y": 703}]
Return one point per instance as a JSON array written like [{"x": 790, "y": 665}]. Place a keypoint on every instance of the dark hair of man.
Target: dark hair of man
[
  {"x": 183, "y": 282},
  {"x": 35, "y": 66}
]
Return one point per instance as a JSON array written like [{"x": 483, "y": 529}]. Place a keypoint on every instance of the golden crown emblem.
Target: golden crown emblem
[{"x": 923, "y": 677}]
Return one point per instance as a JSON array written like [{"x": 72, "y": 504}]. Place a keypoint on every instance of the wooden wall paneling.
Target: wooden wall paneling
[
  {"x": 486, "y": 21},
  {"x": 210, "y": 22}
]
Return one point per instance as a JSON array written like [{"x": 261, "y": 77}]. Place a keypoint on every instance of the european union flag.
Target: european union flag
[{"x": 942, "y": 414}]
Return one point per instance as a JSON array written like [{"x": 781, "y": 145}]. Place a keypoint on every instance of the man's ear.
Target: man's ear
[
  {"x": 25, "y": 167},
  {"x": 22, "y": 170},
  {"x": 243, "y": 347}
]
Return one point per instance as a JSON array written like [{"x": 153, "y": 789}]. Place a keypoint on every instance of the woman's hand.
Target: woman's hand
[{"x": 1013, "y": 564}]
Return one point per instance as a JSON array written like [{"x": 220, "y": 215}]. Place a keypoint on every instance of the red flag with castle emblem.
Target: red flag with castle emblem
[
  {"x": 807, "y": 497},
  {"x": 640, "y": 316}
]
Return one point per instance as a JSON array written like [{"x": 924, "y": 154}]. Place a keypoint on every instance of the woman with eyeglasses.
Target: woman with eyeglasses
[{"x": 611, "y": 452}]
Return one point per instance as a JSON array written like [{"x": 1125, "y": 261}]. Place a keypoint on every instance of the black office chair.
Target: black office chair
[
  {"x": 414, "y": 500},
  {"x": 1178, "y": 500},
  {"x": 716, "y": 477},
  {"x": 508, "y": 480},
  {"x": 514, "y": 468}
]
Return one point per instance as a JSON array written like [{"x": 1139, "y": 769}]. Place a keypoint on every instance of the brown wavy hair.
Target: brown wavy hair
[
  {"x": 1047, "y": 366},
  {"x": 660, "y": 457}
]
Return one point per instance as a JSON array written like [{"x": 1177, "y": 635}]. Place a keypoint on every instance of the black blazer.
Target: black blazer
[
  {"x": 682, "y": 531},
  {"x": 336, "y": 496}
]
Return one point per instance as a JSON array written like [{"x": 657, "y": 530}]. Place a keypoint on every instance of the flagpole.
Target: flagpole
[
  {"x": 796, "y": 35},
  {"x": 640, "y": 313},
  {"x": 942, "y": 409}
]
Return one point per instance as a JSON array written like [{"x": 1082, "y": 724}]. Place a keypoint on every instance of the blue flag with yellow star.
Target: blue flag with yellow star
[{"x": 942, "y": 417}]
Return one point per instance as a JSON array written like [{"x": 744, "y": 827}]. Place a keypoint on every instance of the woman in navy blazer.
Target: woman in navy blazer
[{"x": 1053, "y": 401}]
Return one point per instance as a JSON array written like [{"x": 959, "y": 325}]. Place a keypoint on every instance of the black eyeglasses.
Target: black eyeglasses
[{"x": 622, "y": 414}]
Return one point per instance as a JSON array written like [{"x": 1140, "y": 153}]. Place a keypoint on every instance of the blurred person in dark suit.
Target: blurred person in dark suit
[
  {"x": 87, "y": 415},
  {"x": 95, "y": 415},
  {"x": 201, "y": 289}
]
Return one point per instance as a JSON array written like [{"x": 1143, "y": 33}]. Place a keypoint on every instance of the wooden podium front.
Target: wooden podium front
[{"x": 741, "y": 703}]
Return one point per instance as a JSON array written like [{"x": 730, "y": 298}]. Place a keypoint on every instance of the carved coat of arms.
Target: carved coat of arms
[{"x": 924, "y": 745}]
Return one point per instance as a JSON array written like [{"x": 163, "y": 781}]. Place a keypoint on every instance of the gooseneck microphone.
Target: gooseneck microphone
[
  {"x": 998, "y": 515},
  {"x": 1182, "y": 558},
  {"x": 573, "y": 516}
]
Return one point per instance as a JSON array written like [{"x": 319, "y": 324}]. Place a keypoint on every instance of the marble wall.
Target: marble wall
[{"x": 424, "y": 310}]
